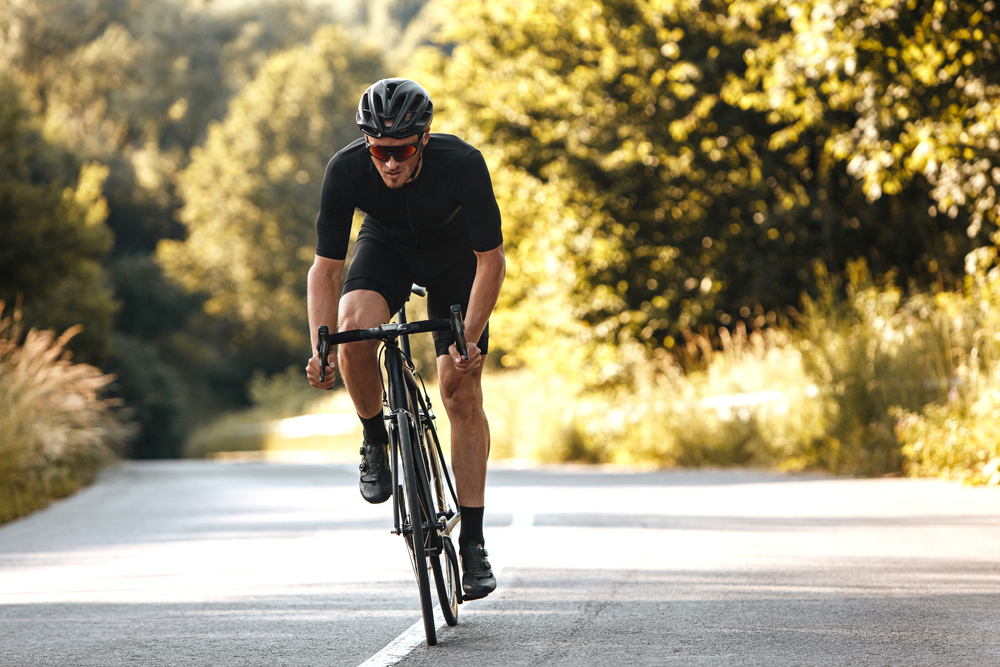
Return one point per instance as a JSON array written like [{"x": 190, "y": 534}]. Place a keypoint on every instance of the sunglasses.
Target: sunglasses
[{"x": 404, "y": 152}]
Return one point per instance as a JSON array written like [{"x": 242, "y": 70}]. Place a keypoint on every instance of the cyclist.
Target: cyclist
[{"x": 431, "y": 218}]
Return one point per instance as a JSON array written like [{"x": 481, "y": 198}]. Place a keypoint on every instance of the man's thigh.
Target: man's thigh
[
  {"x": 362, "y": 309},
  {"x": 378, "y": 266}
]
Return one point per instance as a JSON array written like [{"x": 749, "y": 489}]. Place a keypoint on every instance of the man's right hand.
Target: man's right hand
[{"x": 330, "y": 375}]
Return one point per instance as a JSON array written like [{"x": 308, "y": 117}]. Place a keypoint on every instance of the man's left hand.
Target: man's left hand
[{"x": 470, "y": 365}]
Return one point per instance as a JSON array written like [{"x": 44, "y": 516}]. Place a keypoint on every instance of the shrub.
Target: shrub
[
  {"x": 870, "y": 355},
  {"x": 55, "y": 429},
  {"x": 748, "y": 401},
  {"x": 958, "y": 436}
]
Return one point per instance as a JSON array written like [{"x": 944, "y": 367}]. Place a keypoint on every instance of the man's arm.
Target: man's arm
[
  {"x": 491, "y": 268},
  {"x": 490, "y": 271},
  {"x": 323, "y": 300}
]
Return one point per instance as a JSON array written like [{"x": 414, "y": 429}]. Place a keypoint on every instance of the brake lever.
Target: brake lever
[
  {"x": 458, "y": 330},
  {"x": 324, "y": 351}
]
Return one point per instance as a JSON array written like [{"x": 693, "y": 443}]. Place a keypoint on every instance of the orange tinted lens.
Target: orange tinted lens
[
  {"x": 405, "y": 152},
  {"x": 379, "y": 152},
  {"x": 399, "y": 152}
]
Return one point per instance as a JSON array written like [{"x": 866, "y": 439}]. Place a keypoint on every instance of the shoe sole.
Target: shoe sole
[
  {"x": 469, "y": 596},
  {"x": 377, "y": 500}
]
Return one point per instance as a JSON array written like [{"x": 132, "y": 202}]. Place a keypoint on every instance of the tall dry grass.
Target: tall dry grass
[
  {"x": 864, "y": 382},
  {"x": 56, "y": 431}
]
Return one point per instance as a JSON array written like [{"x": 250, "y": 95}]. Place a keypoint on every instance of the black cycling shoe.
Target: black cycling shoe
[
  {"x": 376, "y": 479},
  {"x": 478, "y": 580}
]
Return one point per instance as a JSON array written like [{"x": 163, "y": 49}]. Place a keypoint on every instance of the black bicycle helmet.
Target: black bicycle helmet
[{"x": 403, "y": 102}]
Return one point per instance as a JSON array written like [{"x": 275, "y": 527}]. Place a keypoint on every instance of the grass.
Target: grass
[
  {"x": 862, "y": 381},
  {"x": 291, "y": 420},
  {"x": 56, "y": 431}
]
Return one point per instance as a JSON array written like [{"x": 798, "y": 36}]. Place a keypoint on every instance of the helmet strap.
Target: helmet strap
[{"x": 420, "y": 162}]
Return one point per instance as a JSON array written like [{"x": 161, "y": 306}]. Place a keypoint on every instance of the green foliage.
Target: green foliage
[
  {"x": 605, "y": 111},
  {"x": 251, "y": 192},
  {"x": 282, "y": 394},
  {"x": 52, "y": 222},
  {"x": 156, "y": 398},
  {"x": 750, "y": 402},
  {"x": 895, "y": 89},
  {"x": 642, "y": 194},
  {"x": 135, "y": 85},
  {"x": 55, "y": 429}
]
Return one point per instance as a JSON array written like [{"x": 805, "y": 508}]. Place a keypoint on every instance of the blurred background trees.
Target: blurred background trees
[
  {"x": 701, "y": 156},
  {"x": 666, "y": 169},
  {"x": 124, "y": 92},
  {"x": 251, "y": 193}
]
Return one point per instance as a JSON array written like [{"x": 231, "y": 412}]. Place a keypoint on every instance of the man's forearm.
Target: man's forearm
[
  {"x": 490, "y": 272},
  {"x": 323, "y": 296}
]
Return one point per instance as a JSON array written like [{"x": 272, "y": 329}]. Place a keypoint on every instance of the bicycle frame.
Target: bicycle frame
[{"x": 424, "y": 413}]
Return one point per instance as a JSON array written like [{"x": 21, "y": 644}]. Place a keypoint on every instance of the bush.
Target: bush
[
  {"x": 748, "y": 402},
  {"x": 870, "y": 354},
  {"x": 870, "y": 384},
  {"x": 958, "y": 436},
  {"x": 55, "y": 429}
]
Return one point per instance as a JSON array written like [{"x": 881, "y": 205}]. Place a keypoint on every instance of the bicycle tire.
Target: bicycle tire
[
  {"x": 415, "y": 541},
  {"x": 447, "y": 580}
]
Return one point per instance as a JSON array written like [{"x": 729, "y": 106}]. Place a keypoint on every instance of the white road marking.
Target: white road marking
[{"x": 401, "y": 646}]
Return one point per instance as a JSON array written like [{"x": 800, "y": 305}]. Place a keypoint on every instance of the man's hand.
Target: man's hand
[
  {"x": 312, "y": 372},
  {"x": 464, "y": 366}
]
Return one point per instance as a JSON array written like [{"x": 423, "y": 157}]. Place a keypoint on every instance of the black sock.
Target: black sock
[
  {"x": 472, "y": 527},
  {"x": 374, "y": 428}
]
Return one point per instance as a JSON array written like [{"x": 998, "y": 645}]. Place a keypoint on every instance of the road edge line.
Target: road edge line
[{"x": 401, "y": 646}]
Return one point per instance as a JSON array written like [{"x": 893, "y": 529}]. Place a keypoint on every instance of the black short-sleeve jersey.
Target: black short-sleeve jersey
[{"x": 452, "y": 195}]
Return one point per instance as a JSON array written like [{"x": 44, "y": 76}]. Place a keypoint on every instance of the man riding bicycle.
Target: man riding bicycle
[{"x": 431, "y": 218}]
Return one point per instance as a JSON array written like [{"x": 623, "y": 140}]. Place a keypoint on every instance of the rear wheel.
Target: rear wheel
[
  {"x": 447, "y": 579},
  {"x": 415, "y": 538},
  {"x": 444, "y": 561}
]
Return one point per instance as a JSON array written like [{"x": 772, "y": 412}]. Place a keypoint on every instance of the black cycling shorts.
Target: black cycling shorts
[{"x": 390, "y": 267}]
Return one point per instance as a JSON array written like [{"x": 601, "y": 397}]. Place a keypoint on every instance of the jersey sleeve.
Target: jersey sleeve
[
  {"x": 336, "y": 213},
  {"x": 479, "y": 204}
]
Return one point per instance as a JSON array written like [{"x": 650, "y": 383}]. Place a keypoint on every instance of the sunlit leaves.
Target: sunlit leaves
[
  {"x": 611, "y": 108},
  {"x": 900, "y": 88}
]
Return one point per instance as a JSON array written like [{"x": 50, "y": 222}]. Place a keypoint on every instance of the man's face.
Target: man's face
[{"x": 396, "y": 173}]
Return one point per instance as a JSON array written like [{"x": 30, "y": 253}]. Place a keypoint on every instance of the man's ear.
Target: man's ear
[{"x": 427, "y": 137}]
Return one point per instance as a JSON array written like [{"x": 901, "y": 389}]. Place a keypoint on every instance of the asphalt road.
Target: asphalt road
[{"x": 201, "y": 563}]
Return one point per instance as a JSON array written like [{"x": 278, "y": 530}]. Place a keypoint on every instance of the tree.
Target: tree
[
  {"x": 660, "y": 201},
  {"x": 610, "y": 108},
  {"x": 52, "y": 226},
  {"x": 135, "y": 86},
  {"x": 899, "y": 90},
  {"x": 251, "y": 192}
]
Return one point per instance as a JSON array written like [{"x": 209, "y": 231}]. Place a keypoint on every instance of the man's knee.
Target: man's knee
[
  {"x": 362, "y": 309},
  {"x": 462, "y": 397}
]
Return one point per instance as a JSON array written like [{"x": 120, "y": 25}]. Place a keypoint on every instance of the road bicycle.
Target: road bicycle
[{"x": 424, "y": 503}]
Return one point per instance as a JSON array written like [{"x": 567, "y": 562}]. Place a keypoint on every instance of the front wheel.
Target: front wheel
[{"x": 415, "y": 539}]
